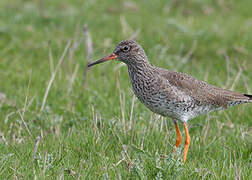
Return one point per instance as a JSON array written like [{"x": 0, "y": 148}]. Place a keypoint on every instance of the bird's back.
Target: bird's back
[{"x": 202, "y": 91}]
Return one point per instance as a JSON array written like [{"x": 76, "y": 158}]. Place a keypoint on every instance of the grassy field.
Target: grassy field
[{"x": 58, "y": 120}]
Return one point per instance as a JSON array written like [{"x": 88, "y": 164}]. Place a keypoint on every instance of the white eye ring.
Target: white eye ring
[{"x": 126, "y": 48}]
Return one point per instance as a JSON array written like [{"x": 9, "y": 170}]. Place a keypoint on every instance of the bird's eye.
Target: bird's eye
[{"x": 126, "y": 48}]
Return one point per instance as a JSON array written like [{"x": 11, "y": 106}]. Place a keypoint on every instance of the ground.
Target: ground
[{"x": 59, "y": 120}]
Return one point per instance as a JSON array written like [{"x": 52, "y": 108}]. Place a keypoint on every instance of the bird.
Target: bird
[{"x": 172, "y": 94}]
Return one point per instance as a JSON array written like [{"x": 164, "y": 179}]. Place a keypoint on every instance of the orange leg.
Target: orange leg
[
  {"x": 187, "y": 142},
  {"x": 179, "y": 137}
]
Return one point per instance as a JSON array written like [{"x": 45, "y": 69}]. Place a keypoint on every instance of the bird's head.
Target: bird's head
[{"x": 127, "y": 51}]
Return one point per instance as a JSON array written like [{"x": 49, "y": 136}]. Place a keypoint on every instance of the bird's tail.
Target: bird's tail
[
  {"x": 249, "y": 96},
  {"x": 245, "y": 98}
]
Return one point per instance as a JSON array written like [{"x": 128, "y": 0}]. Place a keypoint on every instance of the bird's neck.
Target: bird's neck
[
  {"x": 140, "y": 70},
  {"x": 140, "y": 66}
]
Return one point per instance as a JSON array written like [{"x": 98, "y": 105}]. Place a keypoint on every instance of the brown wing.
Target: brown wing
[{"x": 201, "y": 91}]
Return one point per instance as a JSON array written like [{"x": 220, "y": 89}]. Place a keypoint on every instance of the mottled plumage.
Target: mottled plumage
[{"x": 169, "y": 93}]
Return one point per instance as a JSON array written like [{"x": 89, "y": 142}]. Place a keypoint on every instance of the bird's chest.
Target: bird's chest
[
  {"x": 144, "y": 91},
  {"x": 149, "y": 92},
  {"x": 152, "y": 96},
  {"x": 143, "y": 86}
]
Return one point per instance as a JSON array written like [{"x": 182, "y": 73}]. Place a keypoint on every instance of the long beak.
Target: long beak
[{"x": 110, "y": 57}]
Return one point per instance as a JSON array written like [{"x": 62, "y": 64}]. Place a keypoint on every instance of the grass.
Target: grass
[{"x": 100, "y": 129}]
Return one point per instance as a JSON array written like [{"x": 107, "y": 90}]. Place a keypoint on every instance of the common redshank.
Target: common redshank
[{"x": 169, "y": 93}]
